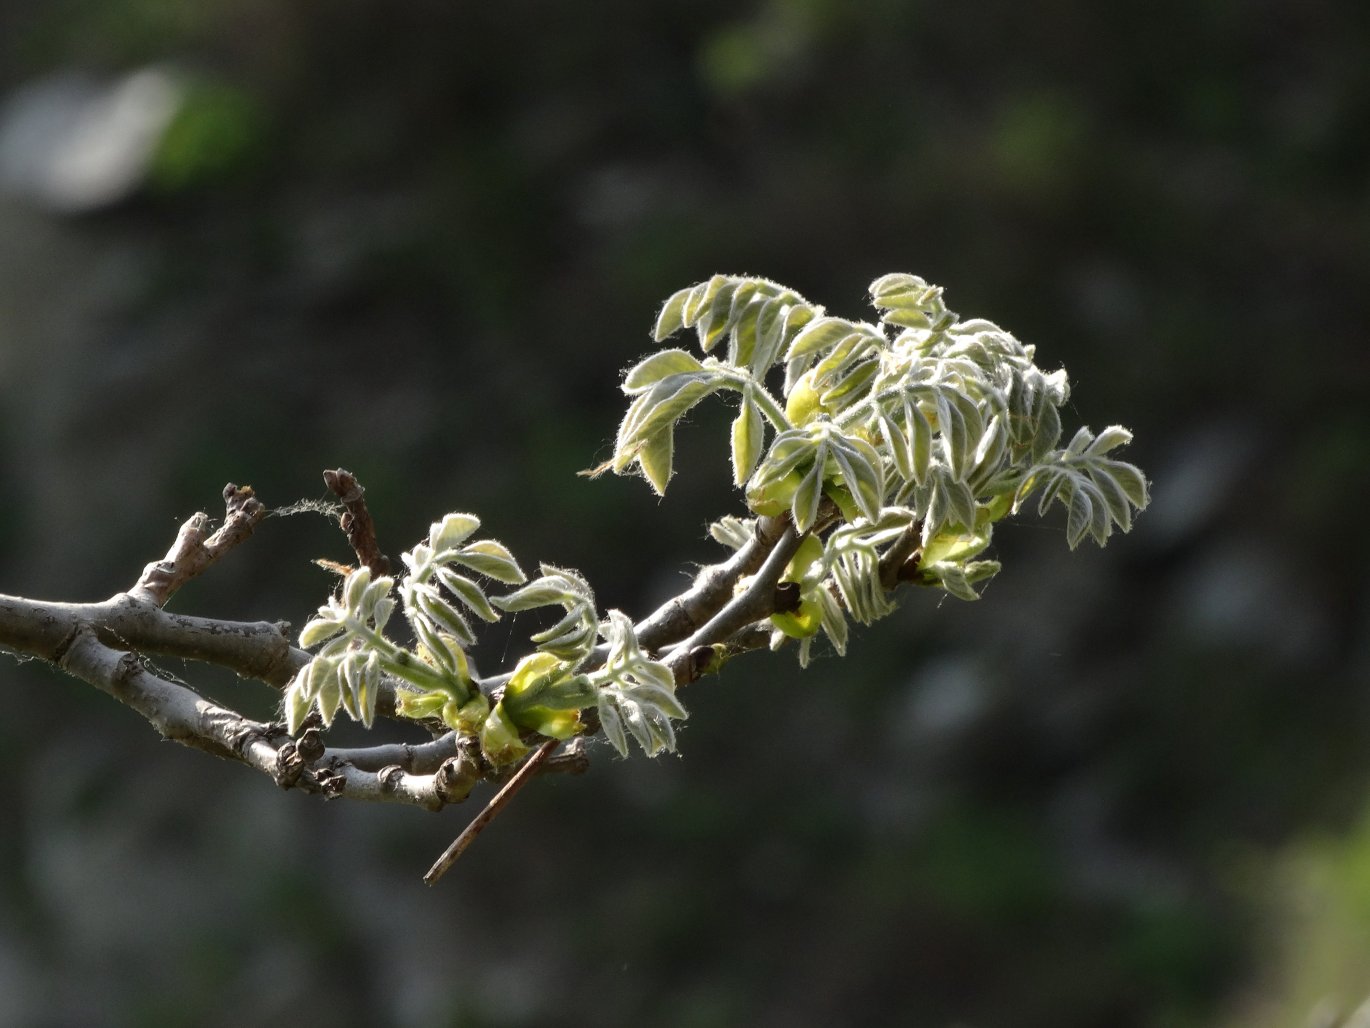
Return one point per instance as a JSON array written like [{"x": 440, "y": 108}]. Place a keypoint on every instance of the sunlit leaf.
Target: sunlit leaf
[
  {"x": 670, "y": 320},
  {"x": 748, "y": 437},
  {"x": 659, "y": 365}
]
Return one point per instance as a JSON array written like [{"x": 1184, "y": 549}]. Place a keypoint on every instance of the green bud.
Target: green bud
[
  {"x": 420, "y": 704},
  {"x": 803, "y": 623},
  {"x": 466, "y": 718},
  {"x": 544, "y": 696},
  {"x": 773, "y": 498},
  {"x": 499, "y": 738},
  {"x": 803, "y": 404}
]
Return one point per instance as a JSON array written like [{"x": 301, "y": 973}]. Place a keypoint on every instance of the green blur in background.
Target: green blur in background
[{"x": 1128, "y": 787}]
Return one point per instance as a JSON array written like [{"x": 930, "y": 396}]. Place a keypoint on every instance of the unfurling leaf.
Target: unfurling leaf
[
  {"x": 748, "y": 438},
  {"x": 659, "y": 365}
]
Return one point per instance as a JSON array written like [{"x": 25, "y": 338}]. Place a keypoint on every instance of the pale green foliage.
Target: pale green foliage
[
  {"x": 892, "y": 447},
  {"x": 634, "y": 692},
  {"x": 543, "y": 694},
  {"x": 920, "y": 421},
  {"x": 573, "y": 637}
]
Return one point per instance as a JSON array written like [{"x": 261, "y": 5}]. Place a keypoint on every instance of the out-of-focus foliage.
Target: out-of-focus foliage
[{"x": 1046, "y": 808}]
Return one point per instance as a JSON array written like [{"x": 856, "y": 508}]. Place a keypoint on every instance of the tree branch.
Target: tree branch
[
  {"x": 712, "y": 589},
  {"x": 356, "y": 520},
  {"x": 755, "y": 602},
  {"x": 191, "y": 553}
]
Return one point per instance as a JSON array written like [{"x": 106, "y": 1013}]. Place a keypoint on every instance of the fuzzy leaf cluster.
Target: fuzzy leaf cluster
[
  {"x": 636, "y": 695},
  {"x": 917, "y": 425},
  {"x": 443, "y": 591},
  {"x": 891, "y": 446}
]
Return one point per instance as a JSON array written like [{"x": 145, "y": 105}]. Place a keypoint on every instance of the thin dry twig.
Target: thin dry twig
[
  {"x": 193, "y": 552},
  {"x": 356, "y": 520},
  {"x": 497, "y": 803}
]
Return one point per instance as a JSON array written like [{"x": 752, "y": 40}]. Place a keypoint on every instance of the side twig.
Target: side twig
[
  {"x": 497, "y": 803},
  {"x": 192, "y": 552},
  {"x": 356, "y": 520}
]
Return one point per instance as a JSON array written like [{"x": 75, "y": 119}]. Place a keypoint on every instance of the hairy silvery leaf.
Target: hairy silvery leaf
[
  {"x": 452, "y": 531},
  {"x": 612, "y": 725},
  {"x": 788, "y": 451},
  {"x": 326, "y": 687},
  {"x": 656, "y": 457},
  {"x": 468, "y": 592},
  {"x": 798, "y": 317},
  {"x": 770, "y": 334},
  {"x": 856, "y": 573},
  {"x": 663, "y": 403},
  {"x": 901, "y": 291},
  {"x": 846, "y": 340},
  {"x": 1129, "y": 477},
  {"x": 990, "y": 451},
  {"x": 845, "y": 356},
  {"x": 380, "y": 613},
  {"x": 909, "y": 302},
  {"x": 1088, "y": 513},
  {"x": 635, "y": 692},
  {"x": 861, "y": 471},
  {"x": 375, "y": 595},
  {"x": 1047, "y": 431},
  {"x": 1114, "y": 496},
  {"x": 432, "y": 645},
  {"x": 360, "y": 676},
  {"x": 424, "y": 601},
  {"x": 819, "y": 335},
  {"x": 750, "y": 311},
  {"x": 942, "y": 501},
  {"x": 1109, "y": 439},
  {"x": 320, "y": 629},
  {"x": 638, "y": 708},
  {"x": 493, "y": 560},
  {"x": 747, "y": 307},
  {"x": 573, "y": 636},
  {"x": 655, "y": 411},
  {"x": 1090, "y": 487},
  {"x": 748, "y": 438},
  {"x": 698, "y": 298},
  {"x": 847, "y": 391},
  {"x": 720, "y": 320},
  {"x": 833, "y": 620},
  {"x": 662, "y": 364},
  {"x": 733, "y": 532},
  {"x": 556, "y": 586},
  {"x": 298, "y": 701},
  {"x": 712, "y": 319},
  {"x": 354, "y": 591},
  {"x": 958, "y": 579},
  {"x": 671, "y": 319},
  {"x": 804, "y": 509},
  {"x": 909, "y": 439},
  {"x": 961, "y": 426}
]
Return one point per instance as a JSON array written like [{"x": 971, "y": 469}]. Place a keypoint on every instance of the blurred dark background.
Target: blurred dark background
[{"x": 247, "y": 241}]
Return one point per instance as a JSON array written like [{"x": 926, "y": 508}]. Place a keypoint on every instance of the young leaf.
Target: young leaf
[
  {"x": 748, "y": 437},
  {"x": 468, "y": 592},
  {"x": 656, "y": 457},
  {"x": 670, "y": 320},
  {"x": 452, "y": 531},
  {"x": 493, "y": 560},
  {"x": 659, "y": 365},
  {"x": 804, "y": 508}
]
